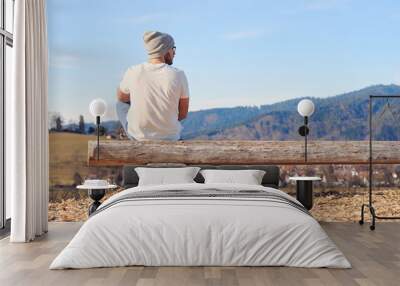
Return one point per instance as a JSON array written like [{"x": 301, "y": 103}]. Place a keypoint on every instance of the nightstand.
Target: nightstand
[
  {"x": 96, "y": 194},
  {"x": 304, "y": 190}
]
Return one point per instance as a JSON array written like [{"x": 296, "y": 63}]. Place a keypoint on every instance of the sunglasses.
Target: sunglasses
[{"x": 174, "y": 48}]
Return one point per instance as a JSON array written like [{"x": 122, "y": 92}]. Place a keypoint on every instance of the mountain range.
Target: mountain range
[{"x": 341, "y": 117}]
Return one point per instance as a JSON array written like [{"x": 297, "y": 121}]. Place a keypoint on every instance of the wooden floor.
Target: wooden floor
[{"x": 375, "y": 257}]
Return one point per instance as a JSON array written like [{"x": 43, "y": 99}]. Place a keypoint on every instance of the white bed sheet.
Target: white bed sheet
[{"x": 200, "y": 232}]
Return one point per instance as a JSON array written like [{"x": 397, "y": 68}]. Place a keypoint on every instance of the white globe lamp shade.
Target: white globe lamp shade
[
  {"x": 98, "y": 107},
  {"x": 305, "y": 107}
]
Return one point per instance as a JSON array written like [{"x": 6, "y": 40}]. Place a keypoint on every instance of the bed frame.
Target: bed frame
[{"x": 271, "y": 178}]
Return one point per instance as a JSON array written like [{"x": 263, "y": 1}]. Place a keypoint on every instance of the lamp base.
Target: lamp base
[
  {"x": 303, "y": 130},
  {"x": 96, "y": 195}
]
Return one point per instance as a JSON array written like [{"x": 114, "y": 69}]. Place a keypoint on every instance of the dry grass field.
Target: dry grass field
[
  {"x": 68, "y": 159},
  {"x": 68, "y": 152},
  {"x": 337, "y": 206}
]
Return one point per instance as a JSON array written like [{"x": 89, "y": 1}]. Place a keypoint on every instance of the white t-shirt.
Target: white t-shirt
[{"x": 155, "y": 91}]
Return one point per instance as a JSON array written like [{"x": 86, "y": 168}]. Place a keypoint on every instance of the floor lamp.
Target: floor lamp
[
  {"x": 306, "y": 109},
  {"x": 96, "y": 191},
  {"x": 98, "y": 108}
]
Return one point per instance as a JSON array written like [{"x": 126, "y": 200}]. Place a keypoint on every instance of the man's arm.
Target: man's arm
[
  {"x": 183, "y": 108},
  {"x": 123, "y": 97}
]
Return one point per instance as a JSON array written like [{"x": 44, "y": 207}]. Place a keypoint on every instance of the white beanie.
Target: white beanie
[{"x": 157, "y": 44}]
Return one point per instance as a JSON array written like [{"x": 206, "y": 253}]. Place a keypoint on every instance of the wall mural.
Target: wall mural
[{"x": 240, "y": 68}]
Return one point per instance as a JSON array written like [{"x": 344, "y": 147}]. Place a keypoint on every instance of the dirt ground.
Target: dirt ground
[{"x": 328, "y": 206}]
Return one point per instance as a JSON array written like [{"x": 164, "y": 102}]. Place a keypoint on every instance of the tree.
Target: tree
[
  {"x": 55, "y": 121},
  {"x": 59, "y": 123},
  {"x": 81, "y": 124}
]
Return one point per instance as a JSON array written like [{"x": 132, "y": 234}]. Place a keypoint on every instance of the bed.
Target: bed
[{"x": 197, "y": 224}]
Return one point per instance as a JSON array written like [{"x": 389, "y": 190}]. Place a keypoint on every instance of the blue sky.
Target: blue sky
[{"x": 233, "y": 52}]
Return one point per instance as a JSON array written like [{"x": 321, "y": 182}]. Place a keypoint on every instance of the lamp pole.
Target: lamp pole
[
  {"x": 98, "y": 108},
  {"x": 98, "y": 137},
  {"x": 305, "y": 137}
]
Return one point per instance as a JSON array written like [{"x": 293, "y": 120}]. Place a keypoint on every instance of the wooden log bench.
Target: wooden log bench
[{"x": 227, "y": 152}]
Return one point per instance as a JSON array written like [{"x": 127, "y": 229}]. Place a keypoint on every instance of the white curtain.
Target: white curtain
[{"x": 27, "y": 123}]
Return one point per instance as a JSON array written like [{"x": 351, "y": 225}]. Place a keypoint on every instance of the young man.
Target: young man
[{"x": 154, "y": 96}]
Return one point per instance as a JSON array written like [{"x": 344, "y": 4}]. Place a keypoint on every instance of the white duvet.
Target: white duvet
[{"x": 200, "y": 231}]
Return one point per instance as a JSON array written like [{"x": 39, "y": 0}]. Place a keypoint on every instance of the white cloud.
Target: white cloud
[
  {"x": 63, "y": 60},
  {"x": 323, "y": 4},
  {"x": 144, "y": 19},
  {"x": 243, "y": 35}
]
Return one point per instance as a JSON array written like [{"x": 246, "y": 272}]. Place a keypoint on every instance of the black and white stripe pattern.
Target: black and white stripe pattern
[{"x": 205, "y": 194}]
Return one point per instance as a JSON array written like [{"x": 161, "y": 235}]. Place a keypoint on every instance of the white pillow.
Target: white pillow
[
  {"x": 165, "y": 176},
  {"x": 248, "y": 177}
]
